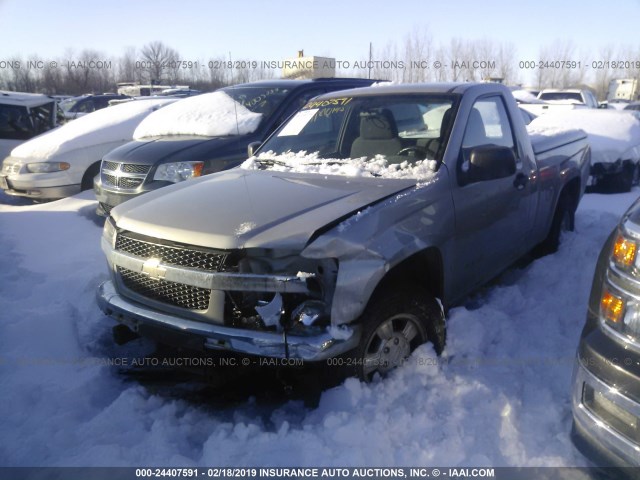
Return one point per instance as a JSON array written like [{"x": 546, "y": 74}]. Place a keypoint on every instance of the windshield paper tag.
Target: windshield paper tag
[{"x": 297, "y": 123}]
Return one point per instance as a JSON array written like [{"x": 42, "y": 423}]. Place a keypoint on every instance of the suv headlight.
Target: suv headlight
[
  {"x": 47, "y": 167},
  {"x": 178, "y": 171}
]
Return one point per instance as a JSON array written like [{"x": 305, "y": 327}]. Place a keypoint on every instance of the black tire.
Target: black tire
[
  {"x": 563, "y": 221},
  {"x": 87, "y": 178},
  {"x": 395, "y": 324},
  {"x": 623, "y": 181}
]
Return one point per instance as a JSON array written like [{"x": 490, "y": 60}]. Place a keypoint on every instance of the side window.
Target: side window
[
  {"x": 85, "y": 106},
  {"x": 488, "y": 125}
]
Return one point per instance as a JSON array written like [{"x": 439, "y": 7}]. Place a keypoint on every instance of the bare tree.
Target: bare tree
[
  {"x": 127, "y": 71},
  {"x": 160, "y": 62}
]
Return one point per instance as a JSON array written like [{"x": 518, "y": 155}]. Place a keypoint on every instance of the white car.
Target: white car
[
  {"x": 22, "y": 117},
  {"x": 64, "y": 161}
]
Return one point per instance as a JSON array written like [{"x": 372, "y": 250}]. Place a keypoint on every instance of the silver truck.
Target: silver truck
[{"x": 350, "y": 232}]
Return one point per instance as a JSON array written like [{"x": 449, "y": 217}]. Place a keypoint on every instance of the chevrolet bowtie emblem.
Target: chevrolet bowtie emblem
[{"x": 153, "y": 270}]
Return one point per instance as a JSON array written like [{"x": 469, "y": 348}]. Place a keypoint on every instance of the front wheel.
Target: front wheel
[{"x": 395, "y": 324}]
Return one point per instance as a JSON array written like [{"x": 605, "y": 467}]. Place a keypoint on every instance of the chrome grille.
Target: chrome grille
[
  {"x": 132, "y": 168},
  {"x": 126, "y": 176},
  {"x": 109, "y": 180},
  {"x": 125, "y": 182},
  {"x": 171, "y": 255},
  {"x": 109, "y": 165},
  {"x": 177, "y": 294}
]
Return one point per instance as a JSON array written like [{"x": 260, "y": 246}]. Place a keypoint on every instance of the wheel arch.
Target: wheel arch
[
  {"x": 87, "y": 177},
  {"x": 423, "y": 268}
]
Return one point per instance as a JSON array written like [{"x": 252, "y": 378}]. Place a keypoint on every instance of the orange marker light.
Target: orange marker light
[
  {"x": 612, "y": 307},
  {"x": 624, "y": 252},
  {"x": 197, "y": 169}
]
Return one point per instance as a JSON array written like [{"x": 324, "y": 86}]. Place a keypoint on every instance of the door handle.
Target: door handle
[{"x": 520, "y": 181}]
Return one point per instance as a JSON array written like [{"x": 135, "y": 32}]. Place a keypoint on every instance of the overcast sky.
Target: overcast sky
[{"x": 277, "y": 29}]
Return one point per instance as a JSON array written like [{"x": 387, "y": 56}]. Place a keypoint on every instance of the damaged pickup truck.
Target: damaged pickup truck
[{"x": 350, "y": 232}]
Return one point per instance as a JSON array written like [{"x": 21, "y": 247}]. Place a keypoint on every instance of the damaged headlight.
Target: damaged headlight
[
  {"x": 178, "y": 171},
  {"x": 303, "y": 310}
]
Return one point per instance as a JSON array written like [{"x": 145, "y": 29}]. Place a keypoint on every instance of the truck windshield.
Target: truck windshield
[
  {"x": 398, "y": 127},
  {"x": 263, "y": 100}
]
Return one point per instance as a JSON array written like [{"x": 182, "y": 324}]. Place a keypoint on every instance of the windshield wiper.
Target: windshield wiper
[{"x": 270, "y": 162}]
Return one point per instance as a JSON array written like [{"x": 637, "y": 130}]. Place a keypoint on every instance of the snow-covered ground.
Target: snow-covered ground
[{"x": 499, "y": 395}]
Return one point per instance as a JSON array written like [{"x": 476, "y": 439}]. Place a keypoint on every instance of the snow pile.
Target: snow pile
[
  {"x": 210, "y": 115},
  {"x": 498, "y": 396},
  {"x": 539, "y": 131},
  {"x": 111, "y": 124},
  {"x": 612, "y": 134},
  {"x": 303, "y": 162}
]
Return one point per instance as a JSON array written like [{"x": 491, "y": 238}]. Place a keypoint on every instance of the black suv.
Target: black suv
[
  {"x": 606, "y": 384},
  {"x": 78, "y": 106},
  {"x": 132, "y": 169}
]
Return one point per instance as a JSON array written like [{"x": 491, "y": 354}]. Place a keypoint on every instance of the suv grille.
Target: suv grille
[
  {"x": 128, "y": 176},
  {"x": 171, "y": 255},
  {"x": 177, "y": 294}
]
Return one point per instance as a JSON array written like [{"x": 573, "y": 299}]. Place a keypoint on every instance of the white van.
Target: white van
[{"x": 22, "y": 117}]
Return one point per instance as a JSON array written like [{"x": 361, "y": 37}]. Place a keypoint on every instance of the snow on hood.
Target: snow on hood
[
  {"x": 210, "y": 115},
  {"x": 110, "y": 124},
  {"x": 612, "y": 134},
  {"x": 379, "y": 166}
]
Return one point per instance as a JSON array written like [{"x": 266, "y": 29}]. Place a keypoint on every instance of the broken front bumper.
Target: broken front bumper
[{"x": 218, "y": 337}]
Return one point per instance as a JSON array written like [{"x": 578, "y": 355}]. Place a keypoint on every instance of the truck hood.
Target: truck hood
[
  {"x": 157, "y": 150},
  {"x": 251, "y": 208}
]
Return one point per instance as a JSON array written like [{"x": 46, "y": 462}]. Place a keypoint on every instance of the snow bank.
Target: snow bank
[
  {"x": 612, "y": 134},
  {"x": 498, "y": 396},
  {"x": 303, "y": 162},
  {"x": 210, "y": 115},
  {"x": 110, "y": 124}
]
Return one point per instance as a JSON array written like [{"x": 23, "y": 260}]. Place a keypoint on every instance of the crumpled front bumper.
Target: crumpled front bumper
[{"x": 218, "y": 337}]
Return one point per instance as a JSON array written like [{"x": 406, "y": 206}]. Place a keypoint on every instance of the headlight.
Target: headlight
[
  {"x": 620, "y": 311},
  {"x": 178, "y": 171},
  {"x": 109, "y": 231},
  {"x": 624, "y": 253},
  {"x": 47, "y": 167}
]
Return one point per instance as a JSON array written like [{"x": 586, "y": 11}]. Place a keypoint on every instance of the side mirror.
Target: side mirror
[
  {"x": 252, "y": 147},
  {"x": 491, "y": 162}
]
